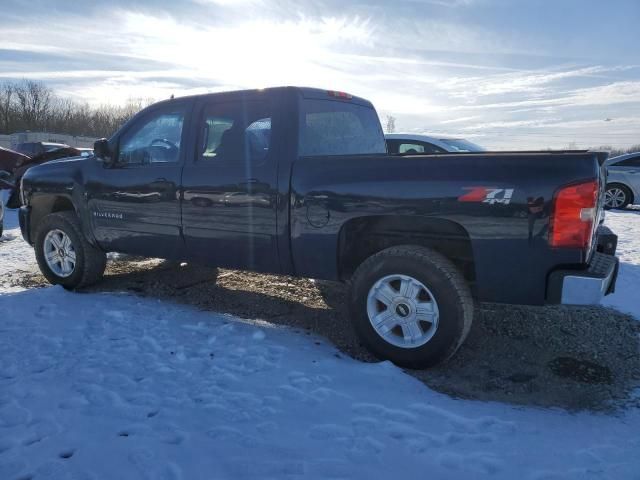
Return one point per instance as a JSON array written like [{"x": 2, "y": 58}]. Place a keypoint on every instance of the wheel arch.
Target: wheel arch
[
  {"x": 43, "y": 205},
  {"x": 618, "y": 183},
  {"x": 361, "y": 237}
]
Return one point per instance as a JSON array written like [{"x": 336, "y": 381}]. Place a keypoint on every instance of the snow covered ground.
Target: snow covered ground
[
  {"x": 104, "y": 386},
  {"x": 627, "y": 226}
]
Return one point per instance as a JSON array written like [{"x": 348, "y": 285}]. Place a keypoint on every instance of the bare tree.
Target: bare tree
[
  {"x": 29, "y": 105},
  {"x": 634, "y": 148},
  {"x": 614, "y": 152},
  {"x": 7, "y": 90},
  {"x": 391, "y": 124},
  {"x": 34, "y": 101}
]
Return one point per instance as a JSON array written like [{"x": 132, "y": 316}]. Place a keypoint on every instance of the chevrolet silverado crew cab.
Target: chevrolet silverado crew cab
[{"x": 298, "y": 181}]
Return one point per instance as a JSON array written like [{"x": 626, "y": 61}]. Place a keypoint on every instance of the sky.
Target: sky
[{"x": 507, "y": 74}]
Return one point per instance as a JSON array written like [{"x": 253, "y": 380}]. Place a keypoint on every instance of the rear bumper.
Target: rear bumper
[
  {"x": 587, "y": 286},
  {"x": 24, "y": 216}
]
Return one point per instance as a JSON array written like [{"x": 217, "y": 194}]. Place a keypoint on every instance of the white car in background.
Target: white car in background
[
  {"x": 623, "y": 181},
  {"x": 408, "y": 143}
]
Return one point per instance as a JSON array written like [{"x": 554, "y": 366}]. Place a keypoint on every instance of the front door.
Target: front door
[
  {"x": 134, "y": 205},
  {"x": 230, "y": 197}
]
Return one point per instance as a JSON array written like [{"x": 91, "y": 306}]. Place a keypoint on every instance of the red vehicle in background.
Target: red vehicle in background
[
  {"x": 10, "y": 159},
  {"x": 16, "y": 163}
]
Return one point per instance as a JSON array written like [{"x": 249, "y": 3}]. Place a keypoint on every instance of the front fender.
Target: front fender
[{"x": 55, "y": 187}]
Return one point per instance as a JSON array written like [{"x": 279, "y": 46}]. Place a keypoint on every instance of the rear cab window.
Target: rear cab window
[{"x": 339, "y": 127}]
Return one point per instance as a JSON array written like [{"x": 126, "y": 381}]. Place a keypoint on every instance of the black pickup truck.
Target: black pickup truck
[{"x": 298, "y": 181}]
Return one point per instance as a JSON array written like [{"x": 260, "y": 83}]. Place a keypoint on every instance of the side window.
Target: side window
[
  {"x": 154, "y": 140},
  {"x": 237, "y": 132},
  {"x": 410, "y": 148},
  {"x": 431, "y": 148},
  {"x": 630, "y": 162},
  {"x": 214, "y": 129}
]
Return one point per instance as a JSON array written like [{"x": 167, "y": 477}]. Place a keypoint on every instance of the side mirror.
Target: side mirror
[{"x": 102, "y": 151}]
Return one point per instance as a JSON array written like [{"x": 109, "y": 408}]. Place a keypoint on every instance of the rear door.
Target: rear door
[{"x": 230, "y": 198}]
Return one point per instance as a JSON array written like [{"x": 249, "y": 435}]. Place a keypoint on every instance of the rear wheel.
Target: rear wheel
[
  {"x": 411, "y": 305},
  {"x": 64, "y": 255},
  {"x": 616, "y": 196}
]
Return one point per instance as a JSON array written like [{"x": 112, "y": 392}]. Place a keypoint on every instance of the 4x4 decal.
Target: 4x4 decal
[{"x": 488, "y": 195}]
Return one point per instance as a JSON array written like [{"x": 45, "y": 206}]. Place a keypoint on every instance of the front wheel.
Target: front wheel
[
  {"x": 616, "y": 196},
  {"x": 411, "y": 305},
  {"x": 64, "y": 255}
]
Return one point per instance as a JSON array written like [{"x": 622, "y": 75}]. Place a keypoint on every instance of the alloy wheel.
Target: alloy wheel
[
  {"x": 614, "y": 197},
  {"x": 59, "y": 253},
  {"x": 403, "y": 311}
]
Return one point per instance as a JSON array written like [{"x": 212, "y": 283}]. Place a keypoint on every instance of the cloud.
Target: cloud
[
  {"x": 459, "y": 120},
  {"x": 625, "y": 92},
  {"x": 445, "y": 3},
  {"x": 518, "y": 82},
  {"x": 470, "y": 67}
]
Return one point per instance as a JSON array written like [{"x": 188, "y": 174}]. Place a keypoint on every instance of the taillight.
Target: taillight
[{"x": 574, "y": 213}]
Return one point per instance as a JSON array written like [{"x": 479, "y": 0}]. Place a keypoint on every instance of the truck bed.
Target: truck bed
[{"x": 329, "y": 192}]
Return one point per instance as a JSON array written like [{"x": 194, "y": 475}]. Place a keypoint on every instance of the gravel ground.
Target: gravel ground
[{"x": 573, "y": 358}]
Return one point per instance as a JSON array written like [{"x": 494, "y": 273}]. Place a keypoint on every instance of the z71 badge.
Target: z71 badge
[{"x": 488, "y": 195}]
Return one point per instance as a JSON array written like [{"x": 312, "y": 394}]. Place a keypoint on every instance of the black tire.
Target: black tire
[
  {"x": 627, "y": 195},
  {"x": 90, "y": 261},
  {"x": 448, "y": 288}
]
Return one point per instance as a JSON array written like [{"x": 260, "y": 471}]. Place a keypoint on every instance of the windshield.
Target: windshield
[{"x": 461, "y": 145}]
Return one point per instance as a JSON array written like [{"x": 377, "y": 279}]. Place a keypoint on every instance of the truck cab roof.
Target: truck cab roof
[{"x": 305, "y": 92}]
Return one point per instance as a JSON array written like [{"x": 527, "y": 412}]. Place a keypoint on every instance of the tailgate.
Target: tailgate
[{"x": 600, "y": 215}]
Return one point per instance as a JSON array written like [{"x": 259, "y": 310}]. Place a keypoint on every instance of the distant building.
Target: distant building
[{"x": 12, "y": 140}]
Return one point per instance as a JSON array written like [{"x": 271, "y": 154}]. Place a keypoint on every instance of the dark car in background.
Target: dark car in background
[
  {"x": 31, "y": 149},
  {"x": 61, "y": 150},
  {"x": 10, "y": 160}
]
